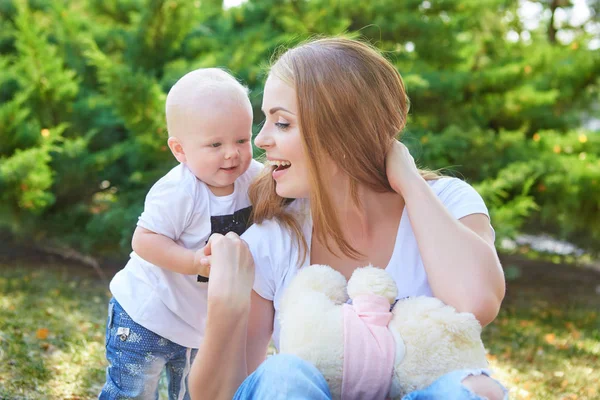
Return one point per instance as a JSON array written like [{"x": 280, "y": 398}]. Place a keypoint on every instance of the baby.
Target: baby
[{"x": 157, "y": 314}]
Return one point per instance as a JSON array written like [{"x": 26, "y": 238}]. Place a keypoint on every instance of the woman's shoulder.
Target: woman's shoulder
[
  {"x": 273, "y": 230},
  {"x": 263, "y": 230},
  {"x": 272, "y": 244},
  {"x": 445, "y": 182},
  {"x": 448, "y": 184},
  {"x": 275, "y": 249},
  {"x": 458, "y": 196}
]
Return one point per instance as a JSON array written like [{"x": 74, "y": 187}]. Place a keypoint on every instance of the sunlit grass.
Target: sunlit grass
[
  {"x": 543, "y": 352},
  {"x": 52, "y": 326},
  {"x": 51, "y": 334}
]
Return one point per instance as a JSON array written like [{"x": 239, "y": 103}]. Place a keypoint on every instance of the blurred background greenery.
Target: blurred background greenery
[{"x": 504, "y": 93}]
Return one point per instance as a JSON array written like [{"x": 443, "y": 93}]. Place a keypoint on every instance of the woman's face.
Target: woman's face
[{"x": 281, "y": 140}]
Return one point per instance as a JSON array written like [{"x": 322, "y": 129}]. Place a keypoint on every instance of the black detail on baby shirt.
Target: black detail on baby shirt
[{"x": 237, "y": 222}]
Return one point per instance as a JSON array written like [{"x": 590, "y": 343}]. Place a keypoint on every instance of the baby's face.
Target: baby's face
[{"x": 218, "y": 146}]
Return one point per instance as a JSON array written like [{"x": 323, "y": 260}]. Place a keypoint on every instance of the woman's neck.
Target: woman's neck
[
  {"x": 370, "y": 228},
  {"x": 361, "y": 221}
]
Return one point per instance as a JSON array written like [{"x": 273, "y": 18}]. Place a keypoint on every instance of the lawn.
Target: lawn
[
  {"x": 545, "y": 344},
  {"x": 51, "y": 333}
]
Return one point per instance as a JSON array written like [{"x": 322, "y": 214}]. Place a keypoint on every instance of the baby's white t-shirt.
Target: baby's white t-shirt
[
  {"x": 182, "y": 208},
  {"x": 276, "y": 252}
]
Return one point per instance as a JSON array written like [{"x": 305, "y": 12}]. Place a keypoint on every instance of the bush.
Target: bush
[{"x": 83, "y": 137}]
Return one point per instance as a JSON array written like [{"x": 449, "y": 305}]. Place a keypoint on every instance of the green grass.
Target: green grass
[
  {"x": 546, "y": 353},
  {"x": 51, "y": 334},
  {"x": 545, "y": 344}
]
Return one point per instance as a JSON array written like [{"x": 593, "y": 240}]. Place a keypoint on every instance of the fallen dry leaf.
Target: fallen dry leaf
[
  {"x": 550, "y": 338},
  {"x": 569, "y": 325},
  {"x": 42, "y": 333},
  {"x": 576, "y": 334}
]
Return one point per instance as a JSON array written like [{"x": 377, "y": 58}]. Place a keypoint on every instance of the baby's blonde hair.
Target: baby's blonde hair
[{"x": 200, "y": 88}]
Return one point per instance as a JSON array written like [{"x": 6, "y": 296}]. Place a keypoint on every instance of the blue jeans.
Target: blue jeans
[
  {"x": 285, "y": 376},
  {"x": 137, "y": 357}
]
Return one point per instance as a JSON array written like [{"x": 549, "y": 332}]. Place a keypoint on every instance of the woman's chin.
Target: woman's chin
[
  {"x": 281, "y": 192},
  {"x": 289, "y": 193}
]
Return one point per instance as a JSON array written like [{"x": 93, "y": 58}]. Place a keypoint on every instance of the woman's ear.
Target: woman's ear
[{"x": 176, "y": 149}]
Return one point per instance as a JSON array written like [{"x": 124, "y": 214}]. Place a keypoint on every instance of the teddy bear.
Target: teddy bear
[{"x": 410, "y": 347}]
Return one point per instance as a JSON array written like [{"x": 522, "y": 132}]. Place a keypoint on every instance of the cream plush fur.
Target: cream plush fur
[{"x": 431, "y": 338}]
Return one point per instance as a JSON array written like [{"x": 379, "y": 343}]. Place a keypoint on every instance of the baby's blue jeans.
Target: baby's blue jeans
[
  {"x": 137, "y": 357},
  {"x": 287, "y": 377}
]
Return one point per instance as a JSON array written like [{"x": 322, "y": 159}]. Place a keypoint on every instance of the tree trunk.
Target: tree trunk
[{"x": 551, "y": 29}]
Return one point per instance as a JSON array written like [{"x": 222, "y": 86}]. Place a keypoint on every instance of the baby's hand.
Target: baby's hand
[{"x": 202, "y": 262}]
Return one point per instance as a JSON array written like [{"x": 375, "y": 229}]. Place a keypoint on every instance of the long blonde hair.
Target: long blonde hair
[{"x": 352, "y": 104}]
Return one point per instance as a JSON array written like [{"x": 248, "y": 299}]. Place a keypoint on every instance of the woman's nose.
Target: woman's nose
[{"x": 263, "y": 140}]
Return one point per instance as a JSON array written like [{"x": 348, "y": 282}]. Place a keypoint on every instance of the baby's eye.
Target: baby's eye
[
  {"x": 242, "y": 141},
  {"x": 216, "y": 145}
]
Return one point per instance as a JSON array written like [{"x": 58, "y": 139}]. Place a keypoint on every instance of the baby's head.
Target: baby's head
[{"x": 209, "y": 119}]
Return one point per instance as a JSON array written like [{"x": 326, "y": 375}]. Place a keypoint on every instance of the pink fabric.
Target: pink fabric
[{"x": 369, "y": 349}]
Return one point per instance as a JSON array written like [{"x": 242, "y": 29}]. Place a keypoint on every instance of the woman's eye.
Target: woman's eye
[
  {"x": 282, "y": 125},
  {"x": 215, "y": 145}
]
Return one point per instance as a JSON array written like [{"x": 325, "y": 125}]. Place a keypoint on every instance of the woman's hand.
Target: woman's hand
[
  {"x": 400, "y": 168},
  {"x": 231, "y": 271},
  {"x": 221, "y": 365}
]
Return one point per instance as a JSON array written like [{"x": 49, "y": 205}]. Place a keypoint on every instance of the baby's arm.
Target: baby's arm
[
  {"x": 167, "y": 213},
  {"x": 164, "y": 252}
]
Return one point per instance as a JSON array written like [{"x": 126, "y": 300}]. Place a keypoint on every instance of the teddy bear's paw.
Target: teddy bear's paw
[
  {"x": 418, "y": 306},
  {"x": 321, "y": 279},
  {"x": 372, "y": 280},
  {"x": 446, "y": 317}
]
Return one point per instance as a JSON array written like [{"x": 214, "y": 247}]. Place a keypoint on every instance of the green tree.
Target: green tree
[{"x": 83, "y": 84}]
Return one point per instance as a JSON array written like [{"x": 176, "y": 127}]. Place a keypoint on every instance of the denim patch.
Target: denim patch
[
  {"x": 137, "y": 357},
  {"x": 451, "y": 387}
]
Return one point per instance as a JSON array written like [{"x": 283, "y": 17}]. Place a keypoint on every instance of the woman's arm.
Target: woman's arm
[
  {"x": 231, "y": 334},
  {"x": 220, "y": 365},
  {"x": 461, "y": 262},
  {"x": 260, "y": 330}
]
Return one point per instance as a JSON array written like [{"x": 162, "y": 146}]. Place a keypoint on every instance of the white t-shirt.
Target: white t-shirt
[
  {"x": 182, "y": 208},
  {"x": 275, "y": 249}
]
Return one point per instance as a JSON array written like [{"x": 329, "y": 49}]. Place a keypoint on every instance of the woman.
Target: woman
[{"x": 341, "y": 191}]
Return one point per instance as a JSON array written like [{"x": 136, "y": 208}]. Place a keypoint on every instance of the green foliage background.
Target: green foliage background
[{"x": 83, "y": 84}]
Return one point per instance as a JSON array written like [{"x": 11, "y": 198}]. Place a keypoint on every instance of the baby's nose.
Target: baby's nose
[{"x": 231, "y": 153}]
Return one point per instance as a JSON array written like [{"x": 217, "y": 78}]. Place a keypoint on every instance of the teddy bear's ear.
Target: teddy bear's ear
[
  {"x": 321, "y": 279},
  {"x": 372, "y": 280}
]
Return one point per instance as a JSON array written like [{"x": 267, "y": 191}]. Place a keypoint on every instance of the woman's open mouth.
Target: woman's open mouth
[{"x": 279, "y": 167}]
